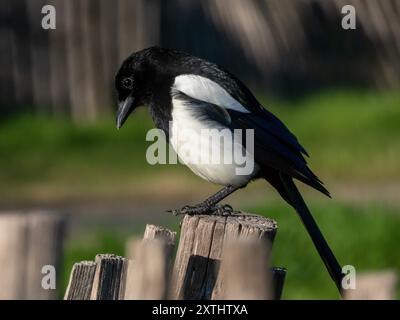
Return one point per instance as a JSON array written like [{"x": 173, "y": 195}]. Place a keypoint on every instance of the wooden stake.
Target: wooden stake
[
  {"x": 373, "y": 286},
  {"x": 156, "y": 232},
  {"x": 201, "y": 246},
  {"x": 29, "y": 241},
  {"x": 243, "y": 274},
  {"x": 81, "y": 281},
  {"x": 148, "y": 271},
  {"x": 109, "y": 278}
]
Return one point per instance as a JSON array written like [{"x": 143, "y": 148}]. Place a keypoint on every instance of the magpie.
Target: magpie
[{"x": 183, "y": 91}]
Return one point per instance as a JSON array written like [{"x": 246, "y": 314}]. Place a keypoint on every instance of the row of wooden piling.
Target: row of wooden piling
[{"x": 217, "y": 257}]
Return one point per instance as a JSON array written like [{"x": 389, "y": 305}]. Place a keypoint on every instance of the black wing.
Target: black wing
[{"x": 274, "y": 148}]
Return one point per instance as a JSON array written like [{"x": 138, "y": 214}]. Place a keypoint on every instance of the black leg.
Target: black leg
[
  {"x": 208, "y": 204},
  {"x": 220, "y": 195}
]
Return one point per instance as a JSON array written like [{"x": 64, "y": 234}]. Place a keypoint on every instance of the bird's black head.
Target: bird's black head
[
  {"x": 142, "y": 75},
  {"x": 130, "y": 86}
]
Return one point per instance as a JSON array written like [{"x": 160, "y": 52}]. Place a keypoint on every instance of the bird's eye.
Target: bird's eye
[{"x": 127, "y": 83}]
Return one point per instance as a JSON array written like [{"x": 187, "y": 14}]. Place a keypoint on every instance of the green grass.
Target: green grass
[
  {"x": 365, "y": 237},
  {"x": 62, "y": 158},
  {"x": 350, "y": 135}
]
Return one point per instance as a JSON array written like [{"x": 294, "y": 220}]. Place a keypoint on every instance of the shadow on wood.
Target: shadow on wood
[{"x": 109, "y": 278}]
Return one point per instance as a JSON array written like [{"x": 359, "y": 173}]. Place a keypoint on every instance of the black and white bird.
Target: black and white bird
[{"x": 189, "y": 92}]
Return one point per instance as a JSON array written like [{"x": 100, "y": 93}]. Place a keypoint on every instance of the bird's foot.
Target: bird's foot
[
  {"x": 201, "y": 208},
  {"x": 204, "y": 208},
  {"x": 223, "y": 210}
]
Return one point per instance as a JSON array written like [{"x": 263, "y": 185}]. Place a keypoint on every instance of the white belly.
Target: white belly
[{"x": 215, "y": 160}]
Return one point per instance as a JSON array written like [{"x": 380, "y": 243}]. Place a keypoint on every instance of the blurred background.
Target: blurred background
[{"x": 338, "y": 91}]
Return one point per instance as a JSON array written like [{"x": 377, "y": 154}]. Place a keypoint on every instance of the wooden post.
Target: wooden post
[
  {"x": 13, "y": 247},
  {"x": 156, "y": 232},
  {"x": 373, "y": 286},
  {"x": 243, "y": 274},
  {"x": 201, "y": 246},
  {"x": 109, "y": 278},
  {"x": 148, "y": 271},
  {"x": 81, "y": 281},
  {"x": 28, "y": 242},
  {"x": 152, "y": 232}
]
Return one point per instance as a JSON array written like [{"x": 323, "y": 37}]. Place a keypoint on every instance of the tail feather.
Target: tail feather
[{"x": 288, "y": 190}]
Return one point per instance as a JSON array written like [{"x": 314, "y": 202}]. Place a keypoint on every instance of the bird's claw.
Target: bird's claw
[
  {"x": 191, "y": 210},
  {"x": 177, "y": 212},
  {"x": 224, "y": 210},
  {"x": 220, "y": 210}
]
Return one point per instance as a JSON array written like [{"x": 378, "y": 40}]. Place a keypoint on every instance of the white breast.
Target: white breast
[{"x": 196, "y": 150}]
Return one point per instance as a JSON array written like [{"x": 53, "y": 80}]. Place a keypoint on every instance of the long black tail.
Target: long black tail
[{"x": 294, "y": 198}]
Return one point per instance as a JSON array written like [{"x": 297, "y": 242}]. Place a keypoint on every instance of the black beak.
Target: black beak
[{"x": 125, "y": 107}]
